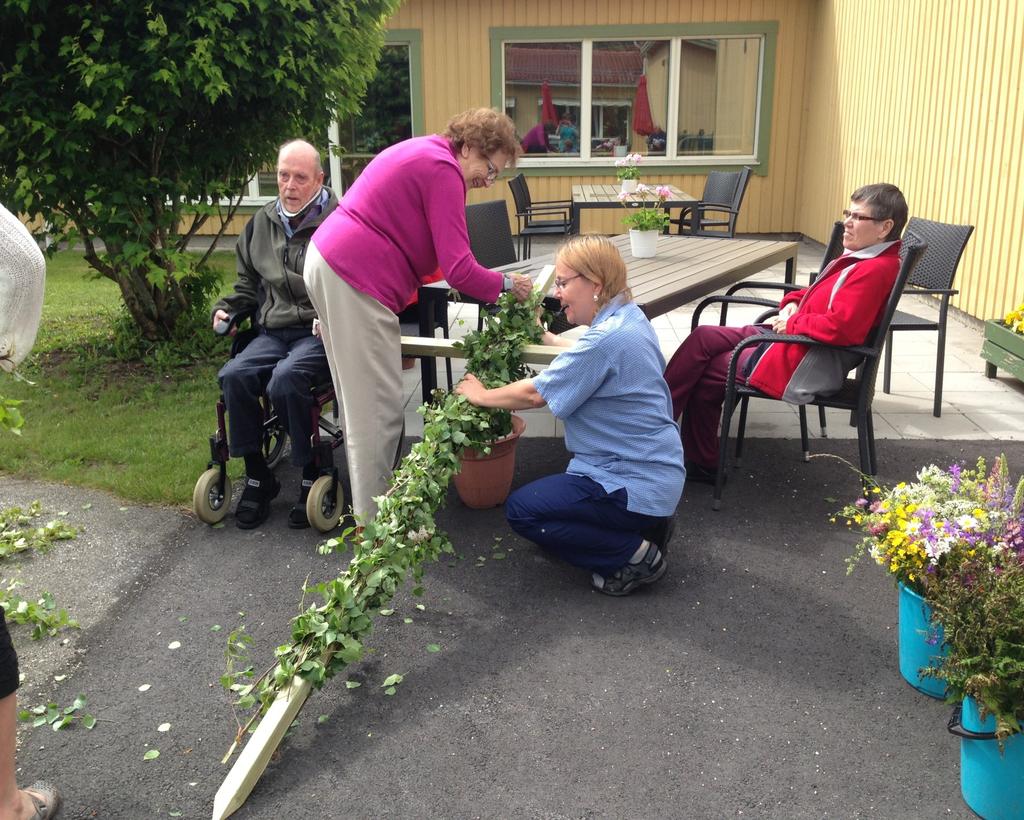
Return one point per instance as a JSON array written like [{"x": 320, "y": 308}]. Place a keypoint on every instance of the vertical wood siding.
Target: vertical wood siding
[
  {"x": 924, "y": 94},
  {"x": 456, "y": 76}
]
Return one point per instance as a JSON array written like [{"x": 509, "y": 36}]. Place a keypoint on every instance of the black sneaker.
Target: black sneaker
[{"x": 645, "y": 571}]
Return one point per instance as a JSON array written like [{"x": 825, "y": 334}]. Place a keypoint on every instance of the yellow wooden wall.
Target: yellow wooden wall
[
  {"x": 456, "y": 76},
  {"x": 925, "y": 94}
]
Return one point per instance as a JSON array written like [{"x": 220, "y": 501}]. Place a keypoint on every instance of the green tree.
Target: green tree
[{"x": 126, "y": 125}]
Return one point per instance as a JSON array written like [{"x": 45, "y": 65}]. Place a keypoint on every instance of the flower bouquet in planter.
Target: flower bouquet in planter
[
  {"x": 645, "y": 215},
  {"x": 628, "y": 172},
  {"x": 980, "y": 604},
  {"x": 921, "y": 532}
]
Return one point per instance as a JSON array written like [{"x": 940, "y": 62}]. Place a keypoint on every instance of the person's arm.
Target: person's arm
[
  {"x": 246, "y": 285},
  {"x": 519, "y": 395},
  {"x": 554, "y": 340},
  {"x": 444, "y": 199}
]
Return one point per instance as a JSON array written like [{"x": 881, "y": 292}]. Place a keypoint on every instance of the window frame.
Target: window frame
[{"x": 585, "y": 164}]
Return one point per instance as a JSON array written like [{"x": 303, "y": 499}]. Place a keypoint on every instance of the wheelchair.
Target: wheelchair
[{"x": 211, "y": 497}]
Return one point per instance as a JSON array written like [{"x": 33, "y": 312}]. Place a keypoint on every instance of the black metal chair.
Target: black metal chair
[
  {"x": 933, "y": 276},
  {"x": 490, "y": 239},
  {"x": 490, "y": 236},
  {"x": 551, "y": 217},
  {"x": 722, "y": 197},
  {"x": 855, "y": 395},
  {"x": 832, "y": 250}
]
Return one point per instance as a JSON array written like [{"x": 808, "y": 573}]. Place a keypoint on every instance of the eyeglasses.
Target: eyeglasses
[
  {"x": 856, "y": 217},
  {"x": 561, "y": 283},
  {"x": 492, "y": 170}
]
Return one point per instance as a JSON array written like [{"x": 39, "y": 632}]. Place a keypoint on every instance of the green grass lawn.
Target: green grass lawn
[{"x": 137, "y": 430}]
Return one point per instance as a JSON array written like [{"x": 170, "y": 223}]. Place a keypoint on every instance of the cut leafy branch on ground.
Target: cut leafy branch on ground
[
  {"x": 20, "y": 533},
  {"x": 326, "y": 638}
]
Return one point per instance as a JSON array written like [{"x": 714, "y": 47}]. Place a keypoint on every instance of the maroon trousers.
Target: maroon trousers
[{"x": 696, "y": 376}]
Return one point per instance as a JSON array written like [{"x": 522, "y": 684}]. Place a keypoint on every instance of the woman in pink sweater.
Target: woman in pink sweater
[{"x": 403, "y": 218}]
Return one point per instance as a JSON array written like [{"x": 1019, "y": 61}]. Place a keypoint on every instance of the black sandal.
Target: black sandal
[
  {"x": 297, "y": 518},
  {"x": 254, "y": 505}
]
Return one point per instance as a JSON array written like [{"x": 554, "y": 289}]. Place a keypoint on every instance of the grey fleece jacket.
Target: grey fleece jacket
[{"x": 267, "y": 259}]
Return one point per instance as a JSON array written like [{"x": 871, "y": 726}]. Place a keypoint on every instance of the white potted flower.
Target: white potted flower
[
  {"x": 646, "y": 217},
  {"x": 628, "y": 172}
]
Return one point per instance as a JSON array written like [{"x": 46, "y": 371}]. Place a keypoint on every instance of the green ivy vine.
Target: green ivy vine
[{"x": 327, "y": 637}]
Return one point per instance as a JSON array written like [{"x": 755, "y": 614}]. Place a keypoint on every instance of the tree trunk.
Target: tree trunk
[{"x": 155, "y": 307}]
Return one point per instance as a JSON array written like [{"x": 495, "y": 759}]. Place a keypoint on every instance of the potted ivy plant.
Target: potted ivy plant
[
  {"x": 485, "y": 473},
  {"x": 646, "y": 217}
]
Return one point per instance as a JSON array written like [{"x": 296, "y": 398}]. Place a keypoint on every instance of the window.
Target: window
[{"x": 689, "y": 98}]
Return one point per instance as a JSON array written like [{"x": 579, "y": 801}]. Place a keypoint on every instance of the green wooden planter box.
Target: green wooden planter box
[{"x": 1003, "y": 349}]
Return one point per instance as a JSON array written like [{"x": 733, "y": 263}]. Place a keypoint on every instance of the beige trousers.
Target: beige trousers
[{"x": 364, "y": 349}]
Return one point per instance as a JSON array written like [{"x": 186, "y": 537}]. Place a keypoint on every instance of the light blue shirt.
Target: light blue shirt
[{"x": 610, "y": 393}]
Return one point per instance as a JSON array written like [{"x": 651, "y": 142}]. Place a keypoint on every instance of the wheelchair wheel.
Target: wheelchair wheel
[
  {"x": 208, "y": 503},
  {"x": 322, "y": 512},
  {"x": 274, "y": 439}
]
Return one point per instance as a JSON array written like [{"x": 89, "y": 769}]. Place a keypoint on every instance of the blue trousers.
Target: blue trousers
[
  {"x": 573, "y": 517},
  {"x": 283, "y": 363}
]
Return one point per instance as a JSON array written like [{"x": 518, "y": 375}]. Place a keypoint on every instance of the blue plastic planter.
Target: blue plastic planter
[
  {"x": 991, "y": 782},
  {"x": 921, "y": 643}
]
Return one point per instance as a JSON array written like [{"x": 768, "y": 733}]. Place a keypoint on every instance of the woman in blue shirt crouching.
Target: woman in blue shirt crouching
[{"x": 611, "y": 511}]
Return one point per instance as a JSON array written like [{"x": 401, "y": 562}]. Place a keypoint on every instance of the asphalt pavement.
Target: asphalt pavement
[{"x": 756, "y": 679}]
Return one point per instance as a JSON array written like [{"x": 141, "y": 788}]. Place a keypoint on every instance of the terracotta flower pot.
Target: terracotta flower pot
[{"x": 486, "y": 479}]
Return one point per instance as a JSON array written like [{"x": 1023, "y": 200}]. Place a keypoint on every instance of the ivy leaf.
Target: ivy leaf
[{"x": 152, "y": 754}]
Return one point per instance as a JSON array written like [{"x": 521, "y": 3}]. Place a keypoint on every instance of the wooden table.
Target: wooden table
[
  {"x": 607, "y": 196},
  {"x": 686, "y": 268}
]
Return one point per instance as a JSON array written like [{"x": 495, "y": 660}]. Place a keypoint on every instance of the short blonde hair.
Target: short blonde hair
[
  {"x": 597, "y": 259},
  {"x": 486, "y": 129}
]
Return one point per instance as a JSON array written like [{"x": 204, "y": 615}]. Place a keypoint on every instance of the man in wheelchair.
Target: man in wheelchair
[{"x": 285, "y": 359}]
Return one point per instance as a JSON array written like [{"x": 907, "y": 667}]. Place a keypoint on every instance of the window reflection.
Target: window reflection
[
  {"x": 629, "y": 104},
  {"x": 542, "y": 95},
  {"x": 718, "y": 96}
]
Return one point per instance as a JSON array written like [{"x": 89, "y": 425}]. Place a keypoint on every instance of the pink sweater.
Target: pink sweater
[{"x": 404, "y": 217}]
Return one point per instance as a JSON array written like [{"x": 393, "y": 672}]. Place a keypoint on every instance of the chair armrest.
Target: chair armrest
[
  {"x": 785, "y": 338},
  {"x": 914, "y": 290},
  {"x": 753, "y": 284},
  {"x": 560, "y": 202},
  {"x": 725, "y": 301},
  {"x": 546, "y": 209}
]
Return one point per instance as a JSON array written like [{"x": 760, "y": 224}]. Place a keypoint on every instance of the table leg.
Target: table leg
[
  {"x": 574, "y": 227},
  {"x": 428, "y": 364},
  {"x": 791, "y": 270}
]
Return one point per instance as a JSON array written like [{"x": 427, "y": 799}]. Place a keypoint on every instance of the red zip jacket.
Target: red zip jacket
[{"x": 842, "y": 307}]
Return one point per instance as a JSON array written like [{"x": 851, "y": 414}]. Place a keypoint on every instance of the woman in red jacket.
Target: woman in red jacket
[{"x": 841, "y": 307}]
